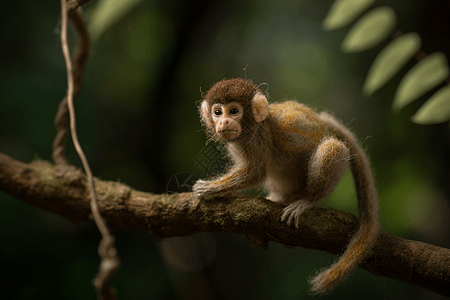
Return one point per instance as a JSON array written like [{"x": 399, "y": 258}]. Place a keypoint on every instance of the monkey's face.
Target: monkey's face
[
  {"x": 232, "y": 109},
  {"x": 227, "y": 120}
]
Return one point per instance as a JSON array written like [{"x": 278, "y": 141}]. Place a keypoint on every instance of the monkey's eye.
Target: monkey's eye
[
  {"x": 234, "y": 111},
  {"x": 217, "y": 112}
]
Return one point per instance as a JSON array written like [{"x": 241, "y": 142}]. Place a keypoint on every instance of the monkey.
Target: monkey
[{"x": 296, "y": 154}]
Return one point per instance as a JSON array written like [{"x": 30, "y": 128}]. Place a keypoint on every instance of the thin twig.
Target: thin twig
[
  {"x": 72, "y": 5},
  {"x": 79, "y": 62},
  {"x": 108, "y": 254}
]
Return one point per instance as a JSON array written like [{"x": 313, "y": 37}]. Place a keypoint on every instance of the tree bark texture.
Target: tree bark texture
[{"x": 63, "y": 189}]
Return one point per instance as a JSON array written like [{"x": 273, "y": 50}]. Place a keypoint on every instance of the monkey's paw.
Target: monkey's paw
[
  {"x": 291, "y": 213},
  {"x": 201, "y": 189}
]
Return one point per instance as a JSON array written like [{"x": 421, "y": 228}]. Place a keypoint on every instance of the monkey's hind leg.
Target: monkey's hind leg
[{"x": 326, "y": 167}]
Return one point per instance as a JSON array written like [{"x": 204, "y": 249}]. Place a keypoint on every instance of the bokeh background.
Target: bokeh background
[{"x": 138, "y": 123}]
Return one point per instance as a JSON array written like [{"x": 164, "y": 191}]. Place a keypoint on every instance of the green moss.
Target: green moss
[
  {"x": 110, "y": 192},
  {"x": 55, "y": 178}
]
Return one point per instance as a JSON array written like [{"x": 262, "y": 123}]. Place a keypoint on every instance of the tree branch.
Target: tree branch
[{"x": 63, "y": 189}]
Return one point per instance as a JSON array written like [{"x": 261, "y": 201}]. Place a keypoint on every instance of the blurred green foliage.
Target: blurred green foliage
[
  {"x": 343, "y": 12},
  {"x": 390, "y": 60},
  {"x": 370, "y": 30},
  {"x": 424, "y": 76},
  {"x": 436, "y": 109},
  {"x": 138, "y": 123}
]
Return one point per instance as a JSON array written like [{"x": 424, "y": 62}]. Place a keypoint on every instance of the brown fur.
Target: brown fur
[{"x": 299, "y": 156}]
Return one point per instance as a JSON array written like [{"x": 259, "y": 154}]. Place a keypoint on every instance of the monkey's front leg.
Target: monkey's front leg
[
  {"x": 237, "y": 179},
  {"x": 325, "y": 169}
]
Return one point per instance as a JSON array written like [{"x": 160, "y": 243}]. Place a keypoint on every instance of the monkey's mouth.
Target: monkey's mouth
[
  {"x": 228, "y": 134},
  {"x": 228, "y": 130}
]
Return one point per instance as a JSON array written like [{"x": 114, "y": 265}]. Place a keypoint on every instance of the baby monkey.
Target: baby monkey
[{"x": 298, "y": 156}]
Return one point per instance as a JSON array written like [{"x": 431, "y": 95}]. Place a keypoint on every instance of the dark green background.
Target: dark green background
[{"x": 138, "y": 123}]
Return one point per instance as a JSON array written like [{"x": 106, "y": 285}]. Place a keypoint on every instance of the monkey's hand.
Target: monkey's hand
[
  {"x": 292, "y": 212},
  {"x": 203, "y": 189}
]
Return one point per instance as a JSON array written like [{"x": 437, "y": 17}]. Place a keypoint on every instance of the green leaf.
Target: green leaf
[
  {"x": 423, "y": 77},
  {"x": 390, "y": 60},
  {"x": 370, "y": 30},
  {"x": 436, "y": 109},
  {"x": 343, "y": 12},
  {"x": 107, "y": 12}
]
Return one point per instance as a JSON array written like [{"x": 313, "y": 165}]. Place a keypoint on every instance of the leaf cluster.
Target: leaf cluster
[{"x": 373, "y": 28}]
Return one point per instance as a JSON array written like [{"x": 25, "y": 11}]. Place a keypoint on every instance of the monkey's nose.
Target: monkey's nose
[{"x": 225, "y": 122}]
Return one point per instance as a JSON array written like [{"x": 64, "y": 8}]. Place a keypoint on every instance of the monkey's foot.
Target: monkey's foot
[{"x": 292, "y": 212}]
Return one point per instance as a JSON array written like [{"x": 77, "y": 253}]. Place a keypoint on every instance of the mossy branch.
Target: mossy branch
[{"x": 63, "y": 189}]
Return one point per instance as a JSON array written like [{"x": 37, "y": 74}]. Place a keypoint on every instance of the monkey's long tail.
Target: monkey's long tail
[{"x": 365, "y": 237}]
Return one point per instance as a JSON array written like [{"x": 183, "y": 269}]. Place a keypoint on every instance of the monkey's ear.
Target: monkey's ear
[
  {"x": 260, "y": 107},
  {"x": 205, "y": 113},
  {"x": 205, "y": 110}
]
